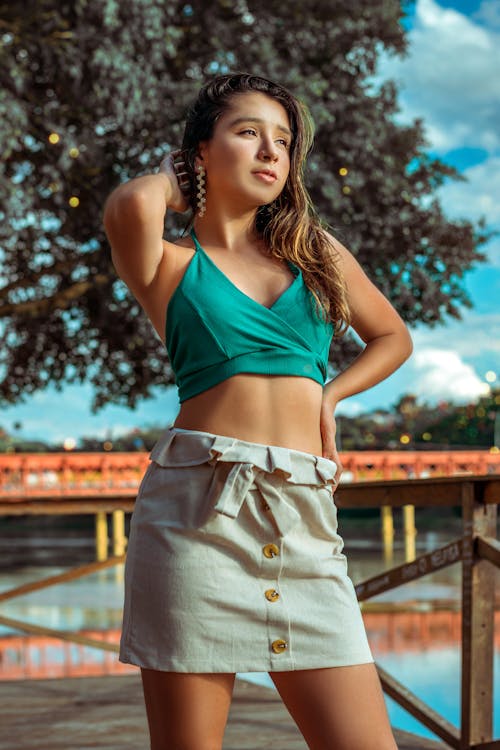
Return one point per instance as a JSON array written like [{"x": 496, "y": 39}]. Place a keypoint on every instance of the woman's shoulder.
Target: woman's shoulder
[{"x": 335, "y": 248}]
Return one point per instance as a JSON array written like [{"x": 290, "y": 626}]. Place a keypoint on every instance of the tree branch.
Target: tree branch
[{"x": 59, "y": 300}]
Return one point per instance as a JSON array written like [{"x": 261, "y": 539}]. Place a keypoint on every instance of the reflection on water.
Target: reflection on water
[{"x": 422, "y": 651}]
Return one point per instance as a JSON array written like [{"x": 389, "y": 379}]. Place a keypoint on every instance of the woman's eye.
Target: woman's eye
[
  {"x": 284, "y": 142},
  {"x": 249, "y": 130}
]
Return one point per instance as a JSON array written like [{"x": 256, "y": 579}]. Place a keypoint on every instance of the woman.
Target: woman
[{"x": 234, "y": 560}]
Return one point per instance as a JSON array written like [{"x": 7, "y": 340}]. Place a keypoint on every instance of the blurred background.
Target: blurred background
[{"x": 405, "y": 170}]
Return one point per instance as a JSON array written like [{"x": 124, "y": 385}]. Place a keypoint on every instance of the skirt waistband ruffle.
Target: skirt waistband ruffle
[
  {"x": 178, "y": 447},
  {"x": 255, "y": 465}
]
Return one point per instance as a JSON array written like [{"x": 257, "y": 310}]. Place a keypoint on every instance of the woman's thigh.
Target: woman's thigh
[
  {"x": 186, "y": 711},
  {"x": 337, "y": 707}
]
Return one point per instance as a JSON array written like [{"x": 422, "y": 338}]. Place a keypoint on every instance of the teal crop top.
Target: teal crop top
[{"x": 214, "y": 330}]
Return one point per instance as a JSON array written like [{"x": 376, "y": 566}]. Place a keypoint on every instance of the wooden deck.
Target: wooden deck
[{"x": 107, "y": 713}]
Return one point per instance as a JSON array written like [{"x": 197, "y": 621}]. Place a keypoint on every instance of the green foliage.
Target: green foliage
[
  {"x": 471, "y": 425},
  {"x": 112, "y": 80},
  {"x": 426, "y": 427}
]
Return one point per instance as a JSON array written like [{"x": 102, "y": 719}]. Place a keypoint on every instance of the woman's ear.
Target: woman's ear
[{"x": 199, "y": 159}]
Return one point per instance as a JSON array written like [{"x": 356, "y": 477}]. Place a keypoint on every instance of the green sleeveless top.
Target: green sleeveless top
[{"x": 214, "y": 330}]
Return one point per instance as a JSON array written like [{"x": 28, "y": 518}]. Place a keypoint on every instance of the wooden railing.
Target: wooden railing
[{"x": 477, "y": 550}]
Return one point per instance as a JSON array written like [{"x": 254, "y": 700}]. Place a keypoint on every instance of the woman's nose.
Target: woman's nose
[{"x": 268, "y": 152}]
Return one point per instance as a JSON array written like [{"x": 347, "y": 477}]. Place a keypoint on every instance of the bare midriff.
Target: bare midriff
[{"x": 271, "y": 409}]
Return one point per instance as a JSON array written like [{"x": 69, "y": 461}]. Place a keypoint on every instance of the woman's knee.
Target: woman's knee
[{"x": 186, "y": 711}]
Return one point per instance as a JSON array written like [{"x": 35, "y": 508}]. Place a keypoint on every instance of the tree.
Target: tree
[
  {"x": 95, "y": 91},
  {"x": 470, "y": 425}
]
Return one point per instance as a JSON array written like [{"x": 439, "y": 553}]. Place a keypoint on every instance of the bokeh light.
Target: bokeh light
[{"x": 54, "y": 138}]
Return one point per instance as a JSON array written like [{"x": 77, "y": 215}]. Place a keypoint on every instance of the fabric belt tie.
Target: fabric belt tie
[
  {"x": 239, "y": 480},
  {"x": 268, "y": 466}
]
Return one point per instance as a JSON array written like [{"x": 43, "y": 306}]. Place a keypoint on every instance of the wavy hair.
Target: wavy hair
[{"x": 289, "y": 225}]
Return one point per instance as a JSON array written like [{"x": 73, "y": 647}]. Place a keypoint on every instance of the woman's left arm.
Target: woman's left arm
[{"x": 387, "y": 339}]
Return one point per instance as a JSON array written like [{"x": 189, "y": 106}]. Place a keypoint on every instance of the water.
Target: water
[{"x": 420, "y": 650}]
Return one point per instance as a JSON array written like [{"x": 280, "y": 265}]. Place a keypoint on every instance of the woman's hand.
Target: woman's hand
[
  {"x": 328, "y": 431},
  {"x": 173, "y": 166}
]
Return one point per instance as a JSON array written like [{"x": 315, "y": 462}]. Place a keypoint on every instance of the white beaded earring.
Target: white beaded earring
[{"x": 201, "y": 194}]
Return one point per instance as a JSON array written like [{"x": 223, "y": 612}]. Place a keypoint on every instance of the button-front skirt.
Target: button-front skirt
[{"x": 234, "y": 562}]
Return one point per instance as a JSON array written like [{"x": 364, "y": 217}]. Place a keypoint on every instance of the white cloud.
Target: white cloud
[
  {"x": 449, "y": 79},
  {"x": 473, "y": 337},
  {"x": 349, "y": 408},
  {"x": 479, "y": 196},
  {"x": 441, "y": 374}
]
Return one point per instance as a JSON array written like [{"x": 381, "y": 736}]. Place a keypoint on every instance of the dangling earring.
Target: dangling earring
[{"x": 201, "y": 194}]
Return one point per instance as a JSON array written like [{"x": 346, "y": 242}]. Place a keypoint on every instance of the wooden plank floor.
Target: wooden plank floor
[{"x": 107, "y": 713}]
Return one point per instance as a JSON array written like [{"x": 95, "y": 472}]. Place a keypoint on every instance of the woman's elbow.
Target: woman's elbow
[{"x": 405, "y": 343}]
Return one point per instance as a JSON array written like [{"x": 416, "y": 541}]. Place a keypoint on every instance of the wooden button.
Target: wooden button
[
  {"x": 270, "y": 550},
  {"x": 279, "y": 646},
  {"x": 272, "y": 595}
]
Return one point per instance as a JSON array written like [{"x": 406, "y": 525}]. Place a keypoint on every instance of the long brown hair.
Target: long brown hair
[{"x": 289, "y": 225}]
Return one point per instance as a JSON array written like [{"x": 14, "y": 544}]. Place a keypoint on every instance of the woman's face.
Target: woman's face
[{"x": 247, "y": 160}]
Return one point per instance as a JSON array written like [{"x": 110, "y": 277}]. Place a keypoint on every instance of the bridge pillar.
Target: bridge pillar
[
  {"x": 410, "y": 532},
  {"x": 387, "y": 532},
  {"x": 101, "y": 536},
  {"x": 119, "y": 538}
]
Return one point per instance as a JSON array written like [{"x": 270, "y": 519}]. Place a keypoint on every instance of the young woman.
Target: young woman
[{"x": 234, "y": 561}]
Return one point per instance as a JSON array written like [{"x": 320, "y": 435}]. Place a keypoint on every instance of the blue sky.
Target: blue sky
[{"x": 448, "y": 79}]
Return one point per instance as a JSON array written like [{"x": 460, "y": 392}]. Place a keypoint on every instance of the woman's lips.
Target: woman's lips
[{"x": 268, "y": 177}]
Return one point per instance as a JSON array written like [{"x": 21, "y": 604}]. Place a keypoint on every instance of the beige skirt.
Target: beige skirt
[{"x": 234, "y": 562}]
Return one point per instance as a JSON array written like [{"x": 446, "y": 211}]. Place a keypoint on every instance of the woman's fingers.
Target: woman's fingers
[
  {"x": 179, "y": 165},
  {"x": 174, "y": 165},
  {"x": 184, "y": 182},
  {"x": 339, "y": 471},
  {"x": 328, "y": 431}
]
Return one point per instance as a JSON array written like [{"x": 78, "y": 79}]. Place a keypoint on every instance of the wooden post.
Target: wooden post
[
  {"x": 478, "y": 581},
  {"x": 101, "y": 536},
  {"x": 387, "y": 532},
  {"x": 119, "y": 539},
  {"x": 410, "y": 532}
]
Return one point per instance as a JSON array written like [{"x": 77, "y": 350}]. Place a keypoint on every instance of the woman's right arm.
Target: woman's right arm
[{"x": 134, "y": 217}]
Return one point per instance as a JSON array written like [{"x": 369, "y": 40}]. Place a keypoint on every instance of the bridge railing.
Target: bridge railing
[{"x": 67, "y": 472}]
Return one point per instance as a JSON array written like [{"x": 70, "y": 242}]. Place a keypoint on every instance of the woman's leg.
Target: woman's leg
[
  {"x": 341, "y": 708},
  {"x": 186, "y": 711}
]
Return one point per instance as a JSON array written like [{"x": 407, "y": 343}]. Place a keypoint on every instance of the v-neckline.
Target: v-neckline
[{"x": 233, "y": 286}]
